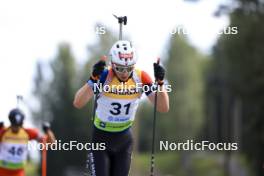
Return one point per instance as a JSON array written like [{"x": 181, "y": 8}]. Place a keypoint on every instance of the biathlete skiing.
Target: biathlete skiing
[
  {"x": 117, "y": 105},
  {"x": 14, "y": 141}
]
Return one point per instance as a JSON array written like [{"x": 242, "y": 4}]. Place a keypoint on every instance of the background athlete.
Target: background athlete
[
  {"x": 13, "y": 144},
  {"x": 116, "y": 108}
]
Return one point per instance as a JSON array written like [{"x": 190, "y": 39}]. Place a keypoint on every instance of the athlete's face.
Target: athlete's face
[
  {"x": 123, "y": 76},
  {"x": 122, "y": 72},
  {"x": 15, "y": 129}
]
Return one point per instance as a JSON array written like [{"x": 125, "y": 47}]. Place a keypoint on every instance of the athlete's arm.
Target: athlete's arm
[
  {"x": 85, "y": 93},
  {"x": 50, "y": 136},
  {"x": 35, "y": 135},
  {"x": 82, "y": 96}
]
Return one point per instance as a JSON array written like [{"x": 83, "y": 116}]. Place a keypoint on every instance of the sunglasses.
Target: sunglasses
[{"x": 122, "y": 69}]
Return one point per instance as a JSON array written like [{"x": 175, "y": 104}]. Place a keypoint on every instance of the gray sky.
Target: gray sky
[{"x": 31, "y": 30}]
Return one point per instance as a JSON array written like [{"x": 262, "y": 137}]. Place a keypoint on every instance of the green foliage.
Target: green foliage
[
  {"x": 238, "y": 71},
  {"x": 185, "y": 75}
]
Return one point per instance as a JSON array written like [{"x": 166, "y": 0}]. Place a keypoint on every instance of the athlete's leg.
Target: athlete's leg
[
  {"x": 117, "y": 156},
  {"x": 121, "y": 160},
  {"x": 98, "y": 159},
  {"x": 99, "y": 163}
]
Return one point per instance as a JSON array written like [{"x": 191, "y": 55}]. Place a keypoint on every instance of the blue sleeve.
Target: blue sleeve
[{"x": 103, "y": 77}]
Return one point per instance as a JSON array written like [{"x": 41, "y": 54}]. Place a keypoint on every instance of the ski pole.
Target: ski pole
[
  {"x": 45, "y": 127},
  {"x": 44, "y": 157},
  {"x": 19, "y": 99},
  {"x": 152, "y": 164},
  {"x": 121, "y": 21},
  {"x": 90, "y": 161}
]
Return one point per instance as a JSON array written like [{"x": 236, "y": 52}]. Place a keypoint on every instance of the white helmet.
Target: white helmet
[{"x": 123, "y": 53}]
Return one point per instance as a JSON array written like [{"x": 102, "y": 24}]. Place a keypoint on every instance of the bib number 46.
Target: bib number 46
[
  {"x": 16, "y": 151},
  {"x": 116, "y": 108}
]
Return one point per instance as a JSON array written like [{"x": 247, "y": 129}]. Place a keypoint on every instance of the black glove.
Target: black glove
[
  {"x": 1, "y": 124},
  {"x": 98, "y": 69},
  {"x": 159, "y": 73},
  {"x": 46, "y": 126}
]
